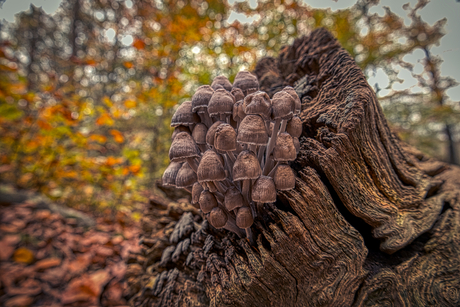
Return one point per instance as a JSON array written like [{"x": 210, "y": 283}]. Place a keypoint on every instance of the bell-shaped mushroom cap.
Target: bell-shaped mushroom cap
[
  {"x": 233, "y": 199},
  {"x": 296, "y": 144},
  {"x": 225, "y": 138},
  {"x": 294, "y": 127},
  {"x": 264, "y": 190},
  {"x": 283, "y": 106},
  {"x": 284, "y": 177},
  {"x": 244, "y": 218},
  {"x": 246, "y": 166},
  {"x": 185, "y": 177},
  {"x": 207, "y": 201},
  {"x": 252, "y": 131},
  {"x": 179, "y": 129},
  {"x": 237, "y": 93},
  {"x": 284, "y": 148},
  {"x": 212, "y": 132},
  {"x": 200, "y": 99},
  {"x": 218, "y": 218},
  {"x": 211, "y": 168},
  {"x": 221, "y": 103},
  {"x": 223, "y": 82},
  {"x": 199, "y": 133},
  {"x": 258, "y": 103},
  {"x": 170, "y": 174},
  {"x": 196, "y": 192},
  {"x": 247, "y": 82},
  {"x": 183, "y": 147},
  {"x": 184, "y": 115},
  {"x": 298, "y": 105}
]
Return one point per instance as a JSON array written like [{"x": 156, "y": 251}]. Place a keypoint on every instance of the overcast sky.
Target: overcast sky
[{"x": 449, "y": 49}]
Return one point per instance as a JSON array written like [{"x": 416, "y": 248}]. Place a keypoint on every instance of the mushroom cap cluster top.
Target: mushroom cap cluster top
[{"x": 231, "y": 148}]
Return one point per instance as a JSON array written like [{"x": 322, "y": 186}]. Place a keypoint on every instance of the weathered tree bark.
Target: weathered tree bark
[{"x": 371, "y": 221}]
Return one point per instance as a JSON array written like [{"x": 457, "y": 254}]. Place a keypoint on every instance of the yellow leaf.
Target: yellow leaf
[
  {"x": 23, "y": 255},
  {"x": 118, "y": 137},
  {"x": 130, "y": 104}
]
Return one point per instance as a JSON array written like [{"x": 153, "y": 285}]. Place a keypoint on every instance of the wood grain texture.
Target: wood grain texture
[{"x": 371, "y": 221}]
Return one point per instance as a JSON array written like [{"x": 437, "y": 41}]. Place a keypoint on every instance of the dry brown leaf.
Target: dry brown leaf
[
  {"x": 81, "y": 263},
  {"x": 47, "y": 263},
  {"x": 19, "y": 301},
  {"x": 85, "y": 288},
  {"x": 29, "y": 287},
  {"x": 7, "y": 245},
  {"x": 23, "y": 255}
]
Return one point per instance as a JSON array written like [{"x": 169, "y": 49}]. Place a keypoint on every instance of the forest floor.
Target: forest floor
[{"x": 50, "y": 259}]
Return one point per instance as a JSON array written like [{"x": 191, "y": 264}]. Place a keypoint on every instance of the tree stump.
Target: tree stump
[{"x": 371, "y": 221}]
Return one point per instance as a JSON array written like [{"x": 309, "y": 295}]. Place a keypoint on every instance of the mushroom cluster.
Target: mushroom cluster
[{"x": 231, "y": 147}]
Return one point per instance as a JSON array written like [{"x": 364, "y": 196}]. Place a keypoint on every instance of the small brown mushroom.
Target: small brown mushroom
[
  {"x": 233, "y": 199},
  {"x": 199, "y": 135},
  {"x": 225, "y": 140},
  {"x": 184, "y": 115},
  {"x": 284, "y": 177},
  {"x": 252, "y": 131},
  {"x": 196, "y": 192},
  {"x": 283, "y": 106},
  {"x": 245, "y": 219},
  {"x": 184, "y": 148},
  {"x": 211, "y": 170},
  {"x": 200, "y": 101},
  {"x": 185, "y": 176},
  {"x": 294, "y": 127},
  {"x": 207, "y": 201},
  {"x": 246, "y": 168},
  {"x": 247, "y": 82},
  {"x": 221, "y": 81},
  {"x": 284, "y": 150},
  {"x": 237, "y": 93},
  {"x": 210, "y": 135},
  {"x": 221, "y": 105},
  {"x": 298, "y": 105},
  {"x": 170, "y": 174},
  {"x": 180, "y": 129},
  {"x": 219, "y": 219}
]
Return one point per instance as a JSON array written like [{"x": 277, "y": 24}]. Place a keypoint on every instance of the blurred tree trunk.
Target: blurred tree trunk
[{"x": 370, "y": 222}]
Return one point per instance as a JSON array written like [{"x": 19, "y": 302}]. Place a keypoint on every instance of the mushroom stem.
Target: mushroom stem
[
  {"x": 211, "y": 186},
  {"x": 193, "y": 164},
  {"x": 202, "y": 147},
  {"x": 250, "y": 236},
  {"x": 261, "y": 155},
  {"x": 253, "y": 148},
  {"x": 272, "y": 141},
  {"x": 188, "y": 189},
  {"x": 222, "y": 117},
  {"x": 268, "y": 165},
  {"x": 245, "y": 189},
  {"x": 283, "y": 125},
  {"x": 231, "y": 225},
  {"x": 272, "y": 172},
  {"x": 218, "y": 186},
  {"x": 231, "y": 156},
  {"x": 207, "y": 119},
  {"x": 238, "y": 121}
]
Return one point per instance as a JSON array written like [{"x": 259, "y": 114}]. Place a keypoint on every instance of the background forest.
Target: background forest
[{"x": 86, "y": 94}]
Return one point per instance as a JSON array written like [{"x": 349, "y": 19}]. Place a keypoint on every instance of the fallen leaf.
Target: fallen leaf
[
  {"x": 29, "y": 287},
  {"x": 23, "y": 255},
  {"x": 19, "y": 301},
  {"x": 47, "y": 263},
  {"x": 7, "y": 245},
  {"x": 85, "y": 288}
]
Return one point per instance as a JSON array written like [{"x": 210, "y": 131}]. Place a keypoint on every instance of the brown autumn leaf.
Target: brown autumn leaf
[
  {"x": 85, "y": 287},
  {"x": 29, "y": 287},
  {"x": 19, "y": 301},
  {"x": 47, "y": 263},
  {"x": 7, "y": 245},
  {"x": 23, "y": 255}
]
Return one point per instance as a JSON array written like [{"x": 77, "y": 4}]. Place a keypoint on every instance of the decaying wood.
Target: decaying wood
[{"x": 371, "y": 221}]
